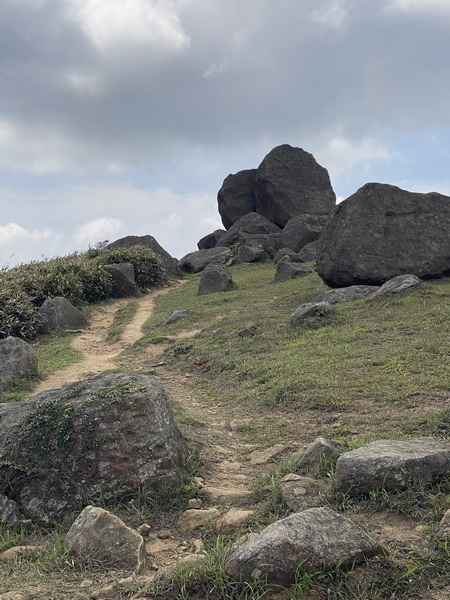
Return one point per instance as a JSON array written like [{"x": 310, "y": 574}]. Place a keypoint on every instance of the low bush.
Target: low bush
[{"x": 18, "y": 317}]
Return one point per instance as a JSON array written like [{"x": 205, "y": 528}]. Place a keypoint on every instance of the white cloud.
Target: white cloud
[
  {"x": 214, "y": 69},
  {"x": 333, "y": 16},
  {"x": 109, "y": 22},
  {"x": 418, "y": 6},
  {"x": 97, "y": 230},
  {"x": 18, "y": 244}
]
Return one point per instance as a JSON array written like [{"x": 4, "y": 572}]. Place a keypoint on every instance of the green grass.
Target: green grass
[
  {"x": 121, "y": 319},
  {"x": 56, "y": 353}
]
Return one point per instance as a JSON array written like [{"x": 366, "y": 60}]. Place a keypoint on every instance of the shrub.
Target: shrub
[{"x": 18, "y": 317}]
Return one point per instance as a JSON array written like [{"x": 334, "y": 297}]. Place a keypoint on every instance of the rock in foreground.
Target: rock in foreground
[
  {"x": 383, "y": 231},
  {"x": 17, "y": 359},
  {"x": 315, "y": 539},
  {"x": 100, "y": 438}
]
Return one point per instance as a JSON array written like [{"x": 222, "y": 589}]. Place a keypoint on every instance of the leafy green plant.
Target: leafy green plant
[{"x": 18, "y": 317}]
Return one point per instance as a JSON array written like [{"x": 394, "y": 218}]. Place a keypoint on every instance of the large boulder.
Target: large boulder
[
  {"x": 211, "y": 240},
  {"x": 392, "y": 464},
  {"x": 251, "y": 223},
  {"x": 101, "y": 438},
  {"x": 309, "y": 252},
  {"x": 170, "y": 264},
  {"x": 194, "y": 262},
  {"x": 17, "y": 359},
  {"x": 290, "y": 182},
  {"x": 58, "y": 314},
  {"x": 215, "y": 278},
  {"x": 301, "y": 230},
  {"x": 236, "y": 197},
  {"x": 382, "y": 231},
  {"x": 124, "y": 282},
  {"x": 317, "y": 539}
]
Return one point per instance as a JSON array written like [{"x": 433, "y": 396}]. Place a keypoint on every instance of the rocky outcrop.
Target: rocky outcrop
[
  {"x": 289, "y": 182},
  {"x": 58, "y": 314},
  {"x": 194, "y": 262},
  {"x": 215, "y": 278},
  {"x": 170, "y": 264},
  {"x": 382, "y": 231},
  {"x": 317, "y": 539},
  {"x": 100, "y": 438},
  {"x": 17, "y": 359},
  {"x": 236, "y": 197},
  {"x": 392, "y": 464},
  {"x": 103, "y": 536},
  {"x": 124, "y": 283}
]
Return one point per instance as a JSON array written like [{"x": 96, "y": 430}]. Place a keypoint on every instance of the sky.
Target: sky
[{"x": 123, "y": 117}]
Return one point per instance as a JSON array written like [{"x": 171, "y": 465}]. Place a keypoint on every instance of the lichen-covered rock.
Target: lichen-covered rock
[
  {"x": 102, "y": 535},
  {"x": 317, "y": 539},
  {"x": 299, "y": 493},
  {"x": 391, "y": 464},
  {"x": 215, "y": 278},
  {"x": 17, "y": 359},
  {"x": 104, "y": 437},
  {"x": 58, "y": 314}
]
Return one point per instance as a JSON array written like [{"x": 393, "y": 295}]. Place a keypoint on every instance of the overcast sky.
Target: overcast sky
[{"x": 123, "y": 117}]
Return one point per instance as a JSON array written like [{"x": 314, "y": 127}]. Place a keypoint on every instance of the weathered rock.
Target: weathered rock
[
  {"x": 174, "y": 317},
  {"x": 102, "y": 535},
  {"x": 236, "y": 197},
  {"x": 124, "y": 282},
  {"x": 58, "y": 314},
  {"x": 170, "y": 264},
  {"x": 250, "y": 224},
  {"x": 250, "y": 253},
  {"x": 17, "y": 359},
  {"x": 292, "y": 256},
  {"x": 194, "y": 262},
  {"x": 211, "y": 240},
  {"x": 301, "y": 230},
  {"x": 193, "y": 518},
  {"x": 397, "y": 285},
  {"x": 227, "y": 495},
  {"x": 346, "y": 294},
  {"x": 316, "y": 453},
  {"x": 299, "y": 493},
  {"x": 233, "y": 519},
  {"x": 309, "y": 252},
  {"x": 289, "y": 182},
  {"x": 383, "y": 231},
  {"x": 104, "y": 437},
  {"x": 10, "y": 514},
  {"x": 215, "y": 278},
  {"x": 262, "y": 457},
  {"x": 391, "y": 464},
  {"x": 317, "y": 539},
  {"x": 286, "y": 270},
  {"x": 16, "y": 552},
  {"x": 311, "y": 310}
]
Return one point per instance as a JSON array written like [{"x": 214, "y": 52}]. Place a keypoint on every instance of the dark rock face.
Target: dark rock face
[
  {"x": 383, "y": 231},
  {"x": 215, "y": 278},
  {"x": 124, "y": 283},
  {"x": 17, "y": 359},
  {"x": 236, "y": 197},
  {"x": 251, "y": 223},
  {"x": 170, "y": 264},
  {"x": 289, "y": 182},
  {"x": 102, "y": 437},
  {"x": 317, "y": 539},
  {"x": 292, "y": 256},
  {"x": 390, "y": 464},
  {"x": 194, "y": 262},
  {"x": 250, "y": 253},
  {"x": 309, "y": 252},
  {"x": 211, "y": 240},
  {"x": 58, "y": 314},
  {"x": 301, "y": 230}
]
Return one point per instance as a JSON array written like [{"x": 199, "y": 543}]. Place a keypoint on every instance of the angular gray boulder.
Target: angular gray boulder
[
  {"x": 289, "y": 182},
  {"x": 58, "y": 314},
  {"x": 17, "y": 359},
  {"x": 301, "y": 230},
  {"x": 251, "y": 223},
  {"x": 194, "y": 262},
  {"x": 170, "y": 264},
  {"x": 317, "y": 539},
  {"x": 292, "y": 256},
  {"x": 286, "y": 270},
  {"x": 309, "y": 252},
  {"x": 100, "y": 438},
  {"x": 250, "y": 253},
  {"x": 236, "y": 197},
  {"x": 124, "y": 282},
  {"x": 215, "y": 278},
  {"x": 382, "y": 231},
  {"x": 392, "y": 464},
  {"x": 103, "y": 536},
  {"x": 211, "y": 240}
]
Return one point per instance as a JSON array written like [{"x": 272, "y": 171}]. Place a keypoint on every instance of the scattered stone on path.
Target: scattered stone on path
[
  {"x": 311, "y": 310},
  {"x": 233, "y": 519},
  {"x": 299, "y": 493},
  {"x": 193, "y": 518},
  {"x": 262, "y": 457},
  {"x": 316, "y": 453},
  {"x": 318, "y": 539},
  {"x": 391, "y": 464},
  {"x": 103, "y": 535},
  {"x": 228, "y": 495}
]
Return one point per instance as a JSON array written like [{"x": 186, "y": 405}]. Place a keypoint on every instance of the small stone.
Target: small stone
[
  {"x": 227, "y": 495},
  {"x": 106, "y": 593},
  {"x": 199, "y": 546},
  {"x": 262, "y": 457},
  {"x": 86, "y": 583},
  {"x": 144, "y": 529},
  {"x": 198, "y": 482},
  {"x": 299, "y": 493},
  {"x": 194, "y": 518},
  {"x": 17, "y": 551},
  {"x": 195, "y": 503},
  {"x": 233, "y": 519},
  {"x": 164, "y": 534}
]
